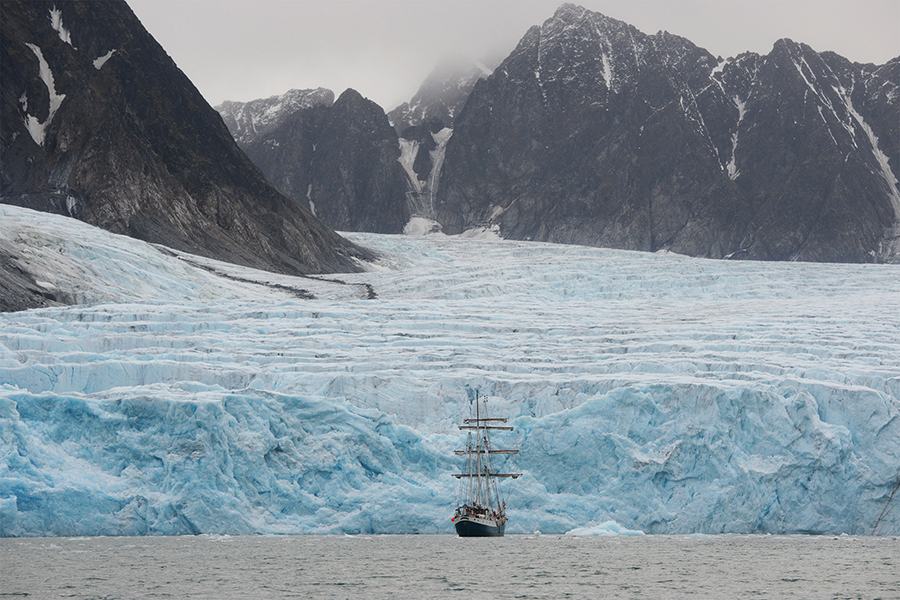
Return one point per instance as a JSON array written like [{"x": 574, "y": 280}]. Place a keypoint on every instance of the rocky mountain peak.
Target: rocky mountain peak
[
  {"x": 592, "y": 132},
  {"x": 569, "y": 13},
  {"x": 442, "y": 94},
  {"x": 101, "y": 125},
  {"x": 249, "y": 121},
  {"x": 572, "y": 25},
  {"x": 350, "y": 99},
  {"x": 340, "y": 160}
]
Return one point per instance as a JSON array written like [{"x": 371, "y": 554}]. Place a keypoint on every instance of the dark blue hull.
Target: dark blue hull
[{"x": 467, "y": 528}]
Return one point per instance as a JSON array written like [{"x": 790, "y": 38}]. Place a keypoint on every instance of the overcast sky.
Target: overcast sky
[{"x": 247, "y": 49}]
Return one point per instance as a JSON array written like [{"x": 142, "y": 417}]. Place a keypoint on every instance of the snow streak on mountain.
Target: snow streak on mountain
[{"x": 667, "y": 394}]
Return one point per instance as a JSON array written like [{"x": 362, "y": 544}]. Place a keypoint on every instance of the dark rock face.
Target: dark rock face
[
  {"x": 592, "y": 132},
  {"x": 441, "y": 96},
  {"x": 18, "y": 288},
  {"x": 341, "y": 161},
  {"x": 422, "y": 150},
  {"x": 423, "y": 136},
  {"x": 285, "y": 154},
  {"x": 358, "y": 184},
  {"x": 100, "y": 124}
]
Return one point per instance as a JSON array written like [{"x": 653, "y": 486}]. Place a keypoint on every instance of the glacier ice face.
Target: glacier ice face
[
  {"x": 212, "y": 462},
  {"x": 662, "y": 393}
]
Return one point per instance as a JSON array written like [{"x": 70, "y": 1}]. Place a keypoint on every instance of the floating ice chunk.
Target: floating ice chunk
[{"x": 607, "y": 528}]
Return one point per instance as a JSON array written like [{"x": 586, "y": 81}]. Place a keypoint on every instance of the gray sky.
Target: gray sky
[{"x": 247, "y": 49}]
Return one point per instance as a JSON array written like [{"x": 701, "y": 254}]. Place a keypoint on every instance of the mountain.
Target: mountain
[
  {"x": 100, "y": 124},
  {"x": 591, "y": 132},
  {"x": 248, "y": 121},
  {"x": 340, "y": 160},
  {"x": 442, "y": 95}
]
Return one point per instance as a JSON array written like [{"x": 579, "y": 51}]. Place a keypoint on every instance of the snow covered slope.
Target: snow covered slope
[
  {"x": 664, "y": 393},
  {"x": 71, "y": 262}
]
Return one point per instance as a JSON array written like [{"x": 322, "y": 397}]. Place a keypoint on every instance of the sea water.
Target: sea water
[{"x": 422, "y": 567}]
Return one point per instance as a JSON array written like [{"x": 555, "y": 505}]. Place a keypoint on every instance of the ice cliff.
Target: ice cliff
[{"x": 662, "y": 393}]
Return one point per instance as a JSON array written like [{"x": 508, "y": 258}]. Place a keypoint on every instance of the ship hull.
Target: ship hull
[{"x": 478, "y": 528}]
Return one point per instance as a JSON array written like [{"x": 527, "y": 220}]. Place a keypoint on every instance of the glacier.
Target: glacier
[{"x": 649, "y": 393}]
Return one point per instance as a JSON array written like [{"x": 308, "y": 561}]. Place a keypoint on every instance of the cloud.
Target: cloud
[{"x": 243, "y": 49}]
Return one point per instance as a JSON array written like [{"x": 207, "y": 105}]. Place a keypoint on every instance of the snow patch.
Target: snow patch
[
  {"x": 99, "y": 62},
  {"x": 720, "y": 67},
  {"x": 442, "y": 137},
  {"x": 57, "y": 24},
  {"x": 36, "y": 128},
  {"x": 408, "y": 151},
  {"x": 607, "y": 71},
  {"x": 72, "y": 205},
  {"x": 485, "y": 232},
  {"x": 437, "y": 162},
  {"x": 496, "y": 212},
  {"x": 731, "y": 168}
]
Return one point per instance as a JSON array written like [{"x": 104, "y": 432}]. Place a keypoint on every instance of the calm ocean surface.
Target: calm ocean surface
[{"x": 443, "y": 566}]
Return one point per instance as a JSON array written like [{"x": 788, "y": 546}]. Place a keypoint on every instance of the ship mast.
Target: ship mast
[{"x": 482, "y": 485}]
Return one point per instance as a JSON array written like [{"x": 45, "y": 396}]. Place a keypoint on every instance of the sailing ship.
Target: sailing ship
[{"x": 481, "y": 510}]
